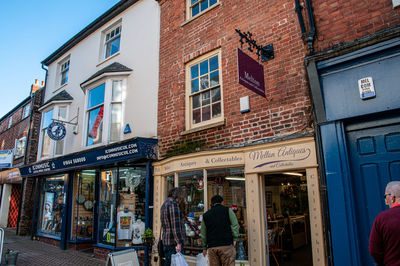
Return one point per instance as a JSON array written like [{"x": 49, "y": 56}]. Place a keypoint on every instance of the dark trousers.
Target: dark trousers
[{"x": 168, "y": 251}]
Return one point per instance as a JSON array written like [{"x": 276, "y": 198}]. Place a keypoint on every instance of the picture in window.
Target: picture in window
[{"x": 95, "y": 113}]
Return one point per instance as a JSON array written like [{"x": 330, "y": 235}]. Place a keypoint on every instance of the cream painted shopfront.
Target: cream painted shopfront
[{"x": 272, "y": 188}]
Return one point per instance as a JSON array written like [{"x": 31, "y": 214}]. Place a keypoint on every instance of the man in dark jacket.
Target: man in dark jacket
[
  {"x": 172, "y": 224},
  {"x": 384, "y": 241},
  {"x": 219, "y": 232}
]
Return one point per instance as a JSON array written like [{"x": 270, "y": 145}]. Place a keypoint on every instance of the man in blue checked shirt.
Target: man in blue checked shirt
[{"x": 173, "y": 227}]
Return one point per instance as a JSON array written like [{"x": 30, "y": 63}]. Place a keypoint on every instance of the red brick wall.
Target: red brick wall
[
  {"x": 287, "y": 107},
  {"x": 342, "y": 21}
]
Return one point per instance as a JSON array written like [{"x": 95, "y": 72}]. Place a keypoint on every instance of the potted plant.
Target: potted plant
[
  {"x": 148, "y": 237},
  {"x": 11, "y": 257}
]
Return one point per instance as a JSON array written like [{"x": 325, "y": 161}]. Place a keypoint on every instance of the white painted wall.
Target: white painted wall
[
  {"x": 139, "y": 50},
  {"x": 5, "y": 204}
]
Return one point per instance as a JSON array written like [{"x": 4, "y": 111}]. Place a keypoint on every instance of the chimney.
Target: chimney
[{"x": 37, "y": 85}]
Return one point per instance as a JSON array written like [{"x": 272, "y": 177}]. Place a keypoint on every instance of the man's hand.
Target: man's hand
[
  {"x": 234, "y": 243},
  {"x": 205, "y": 252},
  {"x": 178, "y": 247}
]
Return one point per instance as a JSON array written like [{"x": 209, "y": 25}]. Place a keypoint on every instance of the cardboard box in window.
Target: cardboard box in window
[{"x": 127, "y": 201}]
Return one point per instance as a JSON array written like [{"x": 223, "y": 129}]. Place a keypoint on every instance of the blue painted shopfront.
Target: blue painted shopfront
[
  {"x": 84, "y": 199},
  {"x": 359, "y": 143}
]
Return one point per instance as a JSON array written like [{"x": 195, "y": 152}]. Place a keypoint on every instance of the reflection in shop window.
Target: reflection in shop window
[
  {"x": 192, "y": 209},
  {"x": 108, "y": 192},
  {"x": 51, "y": 205},
  {"x": 131, "y": 209},
  {"x": 82, "y": 205},
  {"x": 230, "y": 184}
]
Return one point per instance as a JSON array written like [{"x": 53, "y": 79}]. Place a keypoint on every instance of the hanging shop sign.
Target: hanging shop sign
[
  {"x": 250, "y": 73},
  {"x": 6, "y": 158},
  {"x": 56, "y": 131},
  {"x": 134, "y": 149}
]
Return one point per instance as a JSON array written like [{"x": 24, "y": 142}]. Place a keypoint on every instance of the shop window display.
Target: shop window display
[
  {"x": 83, "y": 205},
  {"x": 230, "y": 184},
  {"x": 51, "y": 205},
  {"x": 122, "y": 206}
]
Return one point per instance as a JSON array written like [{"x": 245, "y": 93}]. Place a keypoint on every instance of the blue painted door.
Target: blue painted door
[{"x": 374, "y": 152}]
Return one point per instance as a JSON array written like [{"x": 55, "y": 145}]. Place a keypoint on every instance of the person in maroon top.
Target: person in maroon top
[{"x": 384, "y": 241}]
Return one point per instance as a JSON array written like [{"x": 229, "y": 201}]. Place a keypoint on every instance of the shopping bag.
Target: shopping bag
[
  {"x": 201, "y": 260},
  {"x": 178, "y": 260}
]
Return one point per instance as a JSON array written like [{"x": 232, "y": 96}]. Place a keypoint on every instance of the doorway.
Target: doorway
[
  {"x": 288, "y": 219},
  {"x": 374, "y": 152}
]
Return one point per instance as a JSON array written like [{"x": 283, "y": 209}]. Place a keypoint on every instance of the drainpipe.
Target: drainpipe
[{"x": 308, "y": 37}]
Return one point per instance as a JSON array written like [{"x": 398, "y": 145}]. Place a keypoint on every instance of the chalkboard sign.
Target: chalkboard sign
[{"x": 123, "y": 258}]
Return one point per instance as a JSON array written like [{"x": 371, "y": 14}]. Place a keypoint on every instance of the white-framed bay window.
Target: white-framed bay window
[
  {"x": 49, "y": 147},
  {"x": 204, "y": 102},
  {"x": 104, "y": 111}
]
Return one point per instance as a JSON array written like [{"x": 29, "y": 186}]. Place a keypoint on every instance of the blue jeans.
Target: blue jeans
[{"x": 168, "y": 251}]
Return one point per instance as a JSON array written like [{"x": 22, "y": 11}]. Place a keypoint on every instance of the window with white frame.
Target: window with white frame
[
  {"x": 27, "y": 109},
  {"x": 112, "y": 41},
  {"x": 51, "y": 147},
  {"x": 204, "y": 92},
  {"x": 19, "y": 149},
  {"x": 198, "y": 6},
  {"x": 9, "y": 122},
  {"x": 64, "y": 71},
  {"x": 104, "y": 112}
]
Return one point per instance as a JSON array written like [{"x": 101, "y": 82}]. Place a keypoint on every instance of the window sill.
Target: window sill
[
  {"x": 201, "y": 128},
  {"x": 200, "y": 14},
  {"x": 108, "y": 58}
]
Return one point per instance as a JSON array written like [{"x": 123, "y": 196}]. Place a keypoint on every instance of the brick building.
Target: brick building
[
  {"x": 218, "y": 136},
  {"x": 353, "y": 75},
  {"x": 19, "y": 136}
]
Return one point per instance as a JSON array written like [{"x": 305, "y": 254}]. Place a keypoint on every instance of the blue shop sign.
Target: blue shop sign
[{"x": 136, "y": 149}]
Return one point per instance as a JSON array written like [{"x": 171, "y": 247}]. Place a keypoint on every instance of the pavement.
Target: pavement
[{"x": 32, "y": 252}]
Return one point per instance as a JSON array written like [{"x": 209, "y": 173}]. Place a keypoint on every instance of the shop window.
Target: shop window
[
  {"x": 204, "y": 93},
  {"x": 51, "y": 205},
  {"x": 122, "y": 212},
  {"x": 230, "y": 184},
  {"x": 83, "y": 205}
]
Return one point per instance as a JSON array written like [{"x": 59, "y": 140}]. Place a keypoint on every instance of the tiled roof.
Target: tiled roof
[
  {"x": 61, "y": 96},
  {"x": 114, "y": 67}
]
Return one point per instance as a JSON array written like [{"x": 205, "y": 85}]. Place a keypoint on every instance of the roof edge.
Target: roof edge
[{"x": 92, "y": 27}]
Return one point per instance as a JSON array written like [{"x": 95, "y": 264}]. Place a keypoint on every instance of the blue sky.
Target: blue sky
[{"x": 30, "y": 31}]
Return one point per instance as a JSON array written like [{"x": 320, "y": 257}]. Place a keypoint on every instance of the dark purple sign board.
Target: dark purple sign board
[{"x": 251, "y": 73}]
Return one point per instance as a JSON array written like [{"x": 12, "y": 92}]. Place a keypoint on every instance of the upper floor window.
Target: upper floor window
[
  {"x": 19, "y": 149},
  {"x": 204, "y": 90},
  {"x": 112, "y": 41},
  {"x": 199, "y": 6},
  {"x": 27, "y": 109},
  {"x": 9, "y": 122},
  {"x": 51, "y": 147},
  {"x": 104, "y": 112},
  {"x": 64, "y": 70}
]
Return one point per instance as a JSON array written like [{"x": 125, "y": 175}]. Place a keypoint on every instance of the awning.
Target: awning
[{"x": 11, "y": 176}]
